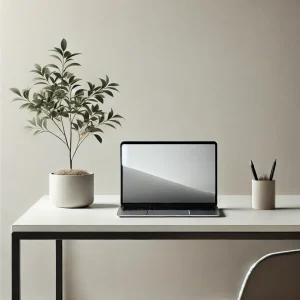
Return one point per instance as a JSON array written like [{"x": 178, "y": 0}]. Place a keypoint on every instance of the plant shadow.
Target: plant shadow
[
  {"x": 103, "y": 205},
  {"x": 286, "y": 208}
]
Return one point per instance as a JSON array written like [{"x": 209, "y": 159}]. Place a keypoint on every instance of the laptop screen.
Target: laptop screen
[{"x": 168, "y": 172}]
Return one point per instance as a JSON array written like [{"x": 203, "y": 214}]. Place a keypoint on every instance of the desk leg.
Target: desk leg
[
  {"x": 59, "y": 270},
  {"x": 15, "y": 268}
]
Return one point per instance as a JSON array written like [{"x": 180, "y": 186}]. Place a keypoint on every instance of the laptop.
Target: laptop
[{"x": 168, "y": 179}]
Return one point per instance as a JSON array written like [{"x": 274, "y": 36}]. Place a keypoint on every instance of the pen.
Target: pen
[
  {"x": 273, "y": 170},
  {"x": 253, "y": 170}
]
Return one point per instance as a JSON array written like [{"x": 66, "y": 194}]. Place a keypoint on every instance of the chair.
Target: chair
[{"x": 275, "y": 276}]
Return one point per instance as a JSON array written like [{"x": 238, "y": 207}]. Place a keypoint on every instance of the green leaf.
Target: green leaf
[
  {"x": 64, "y": 82},
  {"x": 101, "y": 119},
  {"x": 41, "y": 82},
  {"x": 98, "y": 137},
  {"x": 118, "y": 116},
  {"x": 44, "y": 123},
  {"x": 67, "y": 53},
  {"x": 72, "y": 65},
  {"x": 55, "y": 56},
  {"x": 56, "y": 74},
  {"x": 36, "y": 71},
  {"x": 90, "y": 85},
  {"x": 79, "y": 92},
  {"x": 58, "y": 51},
  {"x": 28, "y": 128},
  {"x": 117, "y": 122},
  {"x": 74, "y": 54},
  {"x": 69, "y": 75},
  {"x": 104, "y": 84},
  {"x": 111, "y": 113},
  {"x": 38, "y": 67},
  {"x": 63, "y": 44},
  {"x": 99, "y": 98},
  {"x": 97, "y": 130},
  {"x": 90, "y": 128},
  {"x": 26, "y": 105},
  {"x": 75, "y": 126},
  {"x": 26, "y": 94},
  {"x": 53, "y": 66},
  {"x": 108, "y": 93},
  {"x": 85, "y": 115},
  {"x": 32, "y": 122},
  {"x": 112, "y": 88},
  {"x": 53, "y": 114},
  {"x": 16, "y": 91},
  {"x": 113, "y": 84},
  {"x": 71, "y": 78},
  {"x": 37, "y": 132},
  {"x": 39, "y": 122},
  {"x": 75, "y": 80},
  {"x": 107, "y": 79},
  {"x": 87, "y": 108},
  {"x": 38, "y": 78},
  {"x": 110, "y": 125}
]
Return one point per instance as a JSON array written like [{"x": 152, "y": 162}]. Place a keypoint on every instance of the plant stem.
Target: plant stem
[
  {"x": 79, "y": 143},
  {"x": 71, "y": 134},
  {"x": 63, "y": 126},
  {"x": 64, "y": 132},
  {"x": 57, "y": 137},
  {"x": 53, "y": 121},
  {"x": 70, "y": 145},
  {"x": 79, "y": 139},
  {"x": 70, "y": 158},
  {"x": 61, "y": 119},
  {"x": 82, "y": 105}
]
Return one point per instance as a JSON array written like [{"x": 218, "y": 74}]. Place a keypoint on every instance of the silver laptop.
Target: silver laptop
[{"x": 168, "y": 179}]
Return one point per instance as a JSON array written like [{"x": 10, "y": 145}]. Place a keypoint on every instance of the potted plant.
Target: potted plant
[{"x": 69, "y": 109}]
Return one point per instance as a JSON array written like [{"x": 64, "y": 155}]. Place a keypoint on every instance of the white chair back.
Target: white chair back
[{"x": 275, "y": 276}]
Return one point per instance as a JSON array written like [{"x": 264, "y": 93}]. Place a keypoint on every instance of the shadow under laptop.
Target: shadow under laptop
[{"x": 222, "y": 214}]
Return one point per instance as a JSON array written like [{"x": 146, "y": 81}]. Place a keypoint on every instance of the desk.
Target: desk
[{"x": 43, "y": 221}]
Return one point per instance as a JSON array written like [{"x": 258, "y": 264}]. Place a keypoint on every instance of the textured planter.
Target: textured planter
[
  {"x": 263, "y": 194},
  {"x": 71, "y": 191}
]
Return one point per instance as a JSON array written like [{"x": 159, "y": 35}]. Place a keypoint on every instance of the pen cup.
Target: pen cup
[{"x": 263, "y": 194}]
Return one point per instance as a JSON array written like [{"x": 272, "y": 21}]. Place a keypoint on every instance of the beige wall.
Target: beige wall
[{"x": 189, "y": 70}]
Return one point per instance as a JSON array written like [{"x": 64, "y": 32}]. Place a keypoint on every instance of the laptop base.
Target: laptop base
[{"x": 212, "y": 212}]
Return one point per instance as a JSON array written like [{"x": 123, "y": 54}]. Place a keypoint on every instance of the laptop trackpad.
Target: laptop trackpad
[{"x": 168, "y": 212}]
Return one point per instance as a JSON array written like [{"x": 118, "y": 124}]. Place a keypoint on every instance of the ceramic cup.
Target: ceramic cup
[{"x": 263, "y": 194}]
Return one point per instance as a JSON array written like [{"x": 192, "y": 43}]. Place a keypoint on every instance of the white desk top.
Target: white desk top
[{"x": 43, "y": 216}]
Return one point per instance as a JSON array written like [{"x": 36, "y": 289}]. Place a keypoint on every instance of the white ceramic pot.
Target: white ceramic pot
[
  {"x": 71, "y": 191},
  {"x": 263, "y": 194}
]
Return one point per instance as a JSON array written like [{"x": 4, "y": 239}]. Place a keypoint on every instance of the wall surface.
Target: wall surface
[{"x": 188, "y": 70}]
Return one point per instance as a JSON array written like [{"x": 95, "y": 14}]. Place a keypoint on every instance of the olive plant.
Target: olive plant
[{"x": 72, "y": 105}]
